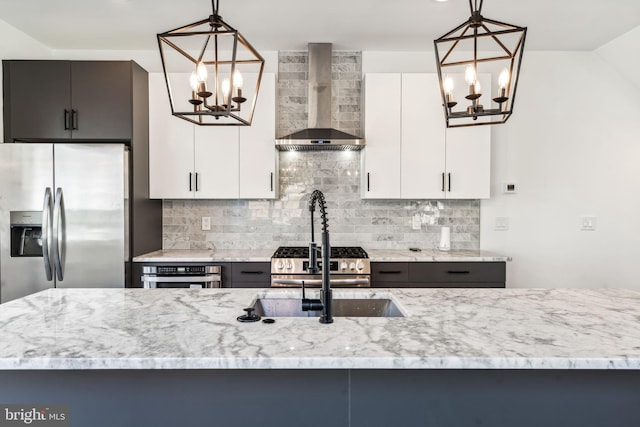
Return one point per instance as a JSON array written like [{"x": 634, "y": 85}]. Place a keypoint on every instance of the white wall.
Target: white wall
[
  {"x": 15, "y": 44},
  {"x": 573, "y": 148},
  {"x": 622, "y": 53}
]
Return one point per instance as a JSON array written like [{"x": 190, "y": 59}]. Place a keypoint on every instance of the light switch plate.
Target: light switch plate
[
  {"x": 206, "y": 223},
  {"x": 502, "y": 223},
  {"x": 589, "y": 223},
  {"x": 416, "y": 222}
]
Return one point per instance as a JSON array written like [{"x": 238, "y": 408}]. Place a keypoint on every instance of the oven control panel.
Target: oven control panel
[{"x": 338, "y": 266}]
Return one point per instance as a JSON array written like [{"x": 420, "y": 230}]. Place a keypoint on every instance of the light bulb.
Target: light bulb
[
  {"x": 503, "y": 80},
  {"x": 478, "y": 87},
  {"x": 193, "y": 81},
  {"x": 226, "y": 86},
  {"x": 448, "y": 85},
  {"x": 237, "y": 79},
  {"x": 470, "y": 75},
  {"x": 201, "y": 69}
]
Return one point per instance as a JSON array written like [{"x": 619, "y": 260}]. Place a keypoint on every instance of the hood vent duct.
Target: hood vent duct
[{"x": 319, "y": 135}]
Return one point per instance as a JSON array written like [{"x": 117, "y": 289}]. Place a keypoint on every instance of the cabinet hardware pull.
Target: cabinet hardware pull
[
  {"x": 74, "y": 119},
  {"x": 190, "y": 181},
  {"x": 197, "y": 189},
  {"x": 368, "y": 182},
  {"x": 252, "y": 272},
  {"x": 271, "y": 181},
  {"x": 390, "y": 272},
  {"x": 67, "y": 118},
  {"x": 442, "y": 182},
  {"x": 449, "y": 182},
  {"x": 458, "y": 272}
]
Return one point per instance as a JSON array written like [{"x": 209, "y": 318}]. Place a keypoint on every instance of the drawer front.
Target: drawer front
[
  {"x": 389, "y": 272},
  {"x": 250, "y": 272},
  {"x": 457, "y": 272}
]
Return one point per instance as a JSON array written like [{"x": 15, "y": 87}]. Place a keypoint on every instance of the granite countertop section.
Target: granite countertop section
[
  {"x": 444, "y": 329},
  {"x": 430, "y": 255},
  {"x": 195, "y": 255},
  {"x": 264, "y": 255}
]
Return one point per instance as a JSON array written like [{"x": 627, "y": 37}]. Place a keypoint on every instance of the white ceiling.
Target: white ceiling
[{"x": 409, "y": 25}]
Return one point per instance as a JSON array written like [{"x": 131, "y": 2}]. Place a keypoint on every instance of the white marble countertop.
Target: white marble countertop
[
  {"x": 202, "y": 255},
  {"x": 444, "y": 329},
  {"x": 431, "y": 255},
  {"x": 264, "y": 255}
]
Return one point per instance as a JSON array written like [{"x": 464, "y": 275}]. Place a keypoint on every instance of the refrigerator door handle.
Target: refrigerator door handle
[
  {"x": 59, "y": 240},
  {"x": 46, "y": 232}
]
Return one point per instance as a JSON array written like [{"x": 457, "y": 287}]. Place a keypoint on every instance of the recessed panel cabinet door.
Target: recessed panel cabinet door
[
  {"x": 423, "y": 148},
  {"x": 171, "y": 174},
  {"x": 37, "y": 100},
  {"x": 469, "y": 162},
  {"x": 381, "y": 156},
  {"x": 217, "y": 156},
  {"x": 101, "y": 100},
  {"x": 258, "y": 157}
]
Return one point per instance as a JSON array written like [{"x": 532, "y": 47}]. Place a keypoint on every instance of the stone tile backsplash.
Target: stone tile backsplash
[{"x": 266, "y": 224}]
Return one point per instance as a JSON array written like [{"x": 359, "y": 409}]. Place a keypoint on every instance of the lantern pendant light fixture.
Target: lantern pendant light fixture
[
  {"x": 212, "y": 72},
  {"x": 478, "y": 50}
]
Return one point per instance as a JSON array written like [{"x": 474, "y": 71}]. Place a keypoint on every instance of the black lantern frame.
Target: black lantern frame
[
  {"x": 220, "y": 61},
  {"x": 477, "y": 49}
]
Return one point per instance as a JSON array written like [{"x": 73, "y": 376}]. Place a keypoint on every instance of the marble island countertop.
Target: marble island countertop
[
  {"x": 444, "y": 329},
  {"x": 264, "y": 255}
]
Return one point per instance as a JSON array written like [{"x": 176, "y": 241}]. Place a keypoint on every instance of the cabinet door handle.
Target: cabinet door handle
[
  {"x": 442, "y": 182},
  {"x": 190, "y": 181},
  {"x": 197, "y": 189},
  {"x": 390, "y": 272},
  {"x": 271, "y": 181},
  {"x": 458, "y": 272},
  {"x": 368, "y": 182},
  {"x": 252, "y": 272},
  {"x": 449, "y": 174},
  {"x": 67, "y": 118},
  {"x": 74, "y": 119}
]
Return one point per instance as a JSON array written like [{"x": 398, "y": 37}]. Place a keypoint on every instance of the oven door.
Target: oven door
[
  {"x": 189, "y": 282},
  {"x": 315, "y": 280}
]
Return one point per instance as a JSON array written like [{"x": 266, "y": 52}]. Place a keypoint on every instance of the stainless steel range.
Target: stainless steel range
[{"x": 349, "y": 266}]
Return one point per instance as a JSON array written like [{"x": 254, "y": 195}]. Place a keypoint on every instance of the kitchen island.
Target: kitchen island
[{"x": 459, "y": 357}]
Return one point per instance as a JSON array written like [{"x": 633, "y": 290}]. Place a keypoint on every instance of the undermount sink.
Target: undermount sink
[{"x": 348, "y": 307}]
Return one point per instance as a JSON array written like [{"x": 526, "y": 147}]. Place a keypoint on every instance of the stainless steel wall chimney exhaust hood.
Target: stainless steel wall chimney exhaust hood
[{"x": 319, "y": 135}]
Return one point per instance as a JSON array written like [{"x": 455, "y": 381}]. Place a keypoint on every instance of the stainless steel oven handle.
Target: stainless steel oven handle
[
  {"x": 312, "y": 282},
  {"x": 182, "y": 279}
]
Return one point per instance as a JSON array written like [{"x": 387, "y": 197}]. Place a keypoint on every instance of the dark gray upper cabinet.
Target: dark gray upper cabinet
[{"x": 62, "y": 100}]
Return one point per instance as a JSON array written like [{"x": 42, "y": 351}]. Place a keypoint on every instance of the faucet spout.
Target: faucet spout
[{"x": 317, "y": 197}]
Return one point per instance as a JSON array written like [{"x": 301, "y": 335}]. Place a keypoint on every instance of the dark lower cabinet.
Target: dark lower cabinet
[
  {"x": 333, "y": 398},
  {"x": 438, "y": 274},
  {"x": 63, "y": 100},
  {"x": 251, "y": 275}
]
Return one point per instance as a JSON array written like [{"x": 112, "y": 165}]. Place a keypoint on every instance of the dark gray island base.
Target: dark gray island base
[{"x": 333, "y": 398}]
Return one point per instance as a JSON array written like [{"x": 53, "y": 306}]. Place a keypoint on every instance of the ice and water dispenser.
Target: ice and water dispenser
[{"x": 26, "y": 233}]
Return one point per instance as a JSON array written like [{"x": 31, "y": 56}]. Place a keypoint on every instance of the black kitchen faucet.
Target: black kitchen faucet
[{"x": 326, "y": 295}]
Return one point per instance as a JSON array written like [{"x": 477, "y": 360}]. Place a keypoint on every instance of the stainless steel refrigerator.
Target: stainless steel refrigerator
[{"x": 63, "y": 217}]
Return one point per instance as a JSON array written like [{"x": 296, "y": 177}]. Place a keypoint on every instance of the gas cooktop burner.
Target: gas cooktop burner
[{"x": 336, "y": 252}]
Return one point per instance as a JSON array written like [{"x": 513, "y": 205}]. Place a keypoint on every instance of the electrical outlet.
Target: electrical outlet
[
  {"x": 589, "y": 223},
  {"x": 416, "y": 222},
  {"x": 206, "y": 223},
  {"x": 502, "y": 223}
]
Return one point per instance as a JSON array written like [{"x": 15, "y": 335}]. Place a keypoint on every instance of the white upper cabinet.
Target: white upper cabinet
[
  {"x": 422, "y": 158},
  {"x": 211, "y": 162},
  {"x": 381, "y": 156},
  {"x": 258, "y": 156}
]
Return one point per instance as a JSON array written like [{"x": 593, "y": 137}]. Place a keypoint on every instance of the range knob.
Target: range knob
[
  {"x": 343, "y": 265},
  {"x": 352, "y": 266},
  {"x": 360, "y": 265},
  {"x": 280, "y": 265},
  {"x": 289, "y": 265}
]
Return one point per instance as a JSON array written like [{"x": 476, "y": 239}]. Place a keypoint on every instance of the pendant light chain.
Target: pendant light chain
[{"x": 214, "y": 6}]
